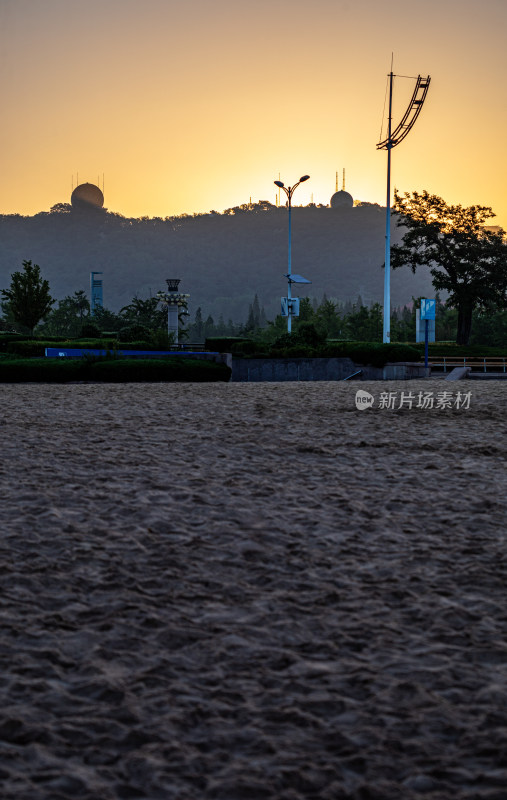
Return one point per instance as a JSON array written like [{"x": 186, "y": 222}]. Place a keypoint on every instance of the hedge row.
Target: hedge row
[
  {"x": 111, "y": 370},
  {"x": 224, "y": 344},
  {"x": 365, "y": 353},
  {"x": 36, "y": 348}
]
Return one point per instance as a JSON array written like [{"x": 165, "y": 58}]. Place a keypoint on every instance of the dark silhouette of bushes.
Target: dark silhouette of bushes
[{"x": 111, "y": 370}]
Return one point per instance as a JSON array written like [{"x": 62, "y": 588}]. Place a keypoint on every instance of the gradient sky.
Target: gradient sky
[{"x": 191, "y": 105}]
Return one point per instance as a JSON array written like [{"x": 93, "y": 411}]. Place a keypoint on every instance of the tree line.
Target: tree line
[
  {"x": 146, "y": 318},
  {"x": 466, "y": 259}
]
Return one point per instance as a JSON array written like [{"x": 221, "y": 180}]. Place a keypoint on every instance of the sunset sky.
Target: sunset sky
[{"x": 191, "y": 105}]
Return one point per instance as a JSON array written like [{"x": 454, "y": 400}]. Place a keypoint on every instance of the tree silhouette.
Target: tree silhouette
[
  {"x": 81, "y": 303},
  {"x": 464, "y": 258},
  {"x": 67, "y": 319},
  {"x": 28, "y": 297},
  {"x": 198, "y": 324},
  {"x": 145, "y": 312}
]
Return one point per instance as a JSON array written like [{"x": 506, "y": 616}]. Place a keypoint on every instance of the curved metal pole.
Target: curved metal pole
[{"x": 393, "y": 139}]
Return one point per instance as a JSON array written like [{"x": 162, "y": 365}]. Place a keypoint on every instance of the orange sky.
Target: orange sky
[{"x": 192, "y": 105}]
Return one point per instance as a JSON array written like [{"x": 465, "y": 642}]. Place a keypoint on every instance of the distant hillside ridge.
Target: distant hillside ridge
[{"x": 223, "y": 260}]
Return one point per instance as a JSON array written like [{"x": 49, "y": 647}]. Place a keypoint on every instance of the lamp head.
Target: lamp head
[
  {"x": 304, "y": 178},
  {"x": 279, "y": 183}
]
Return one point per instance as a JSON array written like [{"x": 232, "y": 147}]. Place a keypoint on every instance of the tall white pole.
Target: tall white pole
[
  {"x": 387, "y": 275},
  {"x": 289, "y": 285}
]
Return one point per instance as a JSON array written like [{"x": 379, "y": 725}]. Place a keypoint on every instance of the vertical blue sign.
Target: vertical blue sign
[{"x": 428, "y": 308}]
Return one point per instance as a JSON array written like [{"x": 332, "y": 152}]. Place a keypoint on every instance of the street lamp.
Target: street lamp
[{"x": 289, "y": 191}]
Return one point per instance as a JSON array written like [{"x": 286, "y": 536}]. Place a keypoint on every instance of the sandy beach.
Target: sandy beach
[{"x": 253, "y": 591}]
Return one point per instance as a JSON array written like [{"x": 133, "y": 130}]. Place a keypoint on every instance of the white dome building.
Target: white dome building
[{"x": 341, "y": 199}]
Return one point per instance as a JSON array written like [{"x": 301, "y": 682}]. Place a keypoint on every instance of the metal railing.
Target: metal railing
[{"x": 485, "y": 364}]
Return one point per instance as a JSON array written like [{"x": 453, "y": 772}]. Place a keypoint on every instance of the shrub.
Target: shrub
[
  {"x": 89, "y": 331},
  {"x": 305, "y": 334},
  {"x": 11, "y": 336},
  {"x": 162, "y": 339},
  {"x": 132, "y": 333},
  {"x": 223, "y": 344},
  {"x": 26, "y": 348},
  {"x": 376, "y": 355},
  {"x": 36, "y": 348},
  {"x": 41, "y": 370},
  {"x": 160, "y": 369},
  {"x": 247, "y": 347},
  {"x": 291, "y": 346},
  {"x": 105, "y": 370},
  {"x": 295, "y": 351}
]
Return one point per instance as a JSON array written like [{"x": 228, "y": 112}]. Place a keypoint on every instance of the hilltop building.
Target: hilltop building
[
  {"x": 86, "y": 197},
  {"x": 341, "y": 199}
]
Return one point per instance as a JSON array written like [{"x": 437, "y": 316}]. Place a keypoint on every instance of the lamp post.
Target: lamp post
[
  {"x": 289, "y": 191},
  {"x": 174, "y": 300},
  {"x": 392, "y": 140}
]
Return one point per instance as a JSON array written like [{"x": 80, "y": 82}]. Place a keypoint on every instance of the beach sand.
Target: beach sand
[{"x": 251, "y": 591}]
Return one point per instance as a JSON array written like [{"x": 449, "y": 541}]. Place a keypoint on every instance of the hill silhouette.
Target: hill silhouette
[{"x": 223, "y": 259}]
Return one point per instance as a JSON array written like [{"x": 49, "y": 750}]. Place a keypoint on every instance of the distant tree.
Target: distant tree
[
  {"x": 256, "y": 310},
  {"x": 490, "y": 329},
  {"x": 465, "y": 259},
  {"x": 28, "y": 296},
  {"x": 221, "y": 326},
  {"x": 106, "y": 320},
  {"x": 145, "y": 312},
  {"x": 67, "y": 319},
  {"x": 327, "y": 320},
  {"x": 403, "y": 324},
  {"x": 209, "y": 326},
  {"x": 306, "y": 312},
  {"x": 249, "y": 326},
  {"x": 376, "y": 322},
  {"x": 61, "y": 208},
  {"x": 357, "y": 324},
  {"x": 275, "y": 328},
  {"x": 8, "y": 322},
  {"x": 253, "y": 322},
  {"x": 198, "y": 324},
  {"x": 81, "y": 304}
]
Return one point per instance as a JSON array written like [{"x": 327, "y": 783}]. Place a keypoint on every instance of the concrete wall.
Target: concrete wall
[{"x": 320, "y": 369}]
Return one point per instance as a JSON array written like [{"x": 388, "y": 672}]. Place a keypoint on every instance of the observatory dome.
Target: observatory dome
[
  {"x": 342, "y": 200},
  {"x": 87, "y": 195}
]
